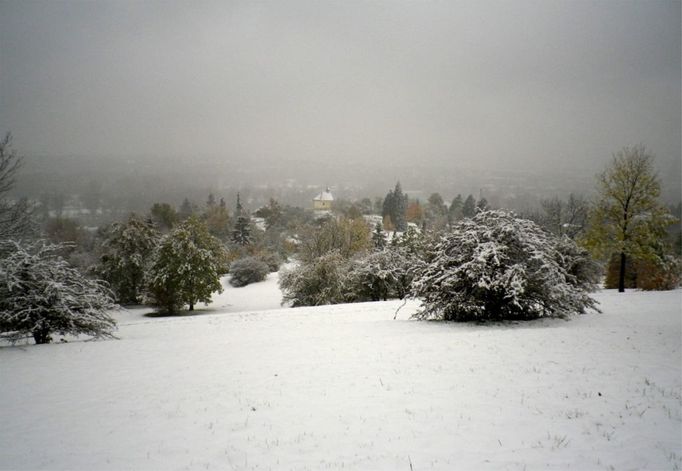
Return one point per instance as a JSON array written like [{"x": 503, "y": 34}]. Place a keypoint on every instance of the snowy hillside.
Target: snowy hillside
[{"x": 348, "y": 387}]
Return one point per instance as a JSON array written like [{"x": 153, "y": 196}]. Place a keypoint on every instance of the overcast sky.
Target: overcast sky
[{"x": 515, "y": 83}]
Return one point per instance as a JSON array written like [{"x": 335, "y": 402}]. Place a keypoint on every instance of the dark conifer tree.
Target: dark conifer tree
[
  {"x": 378, "y": 236},
  {"x": 241, "y": 235},
  {"x": 469, "y": 207}
]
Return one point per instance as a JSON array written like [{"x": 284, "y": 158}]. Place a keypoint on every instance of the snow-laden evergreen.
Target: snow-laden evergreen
[
  {"x": 40, "y": 294},
  {"x": 497, "y": 266}
]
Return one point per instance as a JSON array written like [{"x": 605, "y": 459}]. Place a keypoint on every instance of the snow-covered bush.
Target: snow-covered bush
[
  {"x": 186, "y": 267},
  {"x": 317, "y": 282},
  {"x": 40, "y": 294},
  {"x": 497, "y": 266},
  {"x": 247, "y": 270},
  {"x": 381, "y": 274}
]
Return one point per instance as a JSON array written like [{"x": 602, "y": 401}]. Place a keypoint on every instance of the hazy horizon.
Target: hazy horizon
[{"x": 547, "y": 86}]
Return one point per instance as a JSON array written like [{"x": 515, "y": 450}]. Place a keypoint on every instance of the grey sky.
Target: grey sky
[{"x": 545, "y": 83}]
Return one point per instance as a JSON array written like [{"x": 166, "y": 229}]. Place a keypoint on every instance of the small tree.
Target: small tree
[
  {"x": 185, "y": 267},
  {"x": 241, "y": 235},
  {"x": 378, "y": 236},
  {"x": 126, "y": 254},
  {"x": 247, "y": 270},
  {"x": 164, "y": 216},
  {"x": 40, "y": 294},
  {"x": 455, "y": 209},
  {"x": 628, "y": 218},
  {"x": 320, "y": 281},
  {"x": 469, "y": 207},
  {"x": 496, "y": 266},
  {"x": 347, "y": 236}
]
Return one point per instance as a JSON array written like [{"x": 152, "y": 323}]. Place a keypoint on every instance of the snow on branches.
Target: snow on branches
[
  {"x": 41, "y": 294},
  {"x": 497, "y": 266}
]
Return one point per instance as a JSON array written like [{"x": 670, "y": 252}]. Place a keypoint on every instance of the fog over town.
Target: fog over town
[{"x": 504, "y": 99}]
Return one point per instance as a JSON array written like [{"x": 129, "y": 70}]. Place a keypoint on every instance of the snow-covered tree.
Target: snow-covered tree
[
  {"x": 241, "y": 235},
  {"x": 126, "y": 254},
  {"x": 185, "y": 267},
  {"x": 497, "y": 266},
  {"x": 381, "y": 275},
  {"x": 40, "y": 294},
  {"x": 378, "y": 236},
  {"x": 317, "y": 282}
]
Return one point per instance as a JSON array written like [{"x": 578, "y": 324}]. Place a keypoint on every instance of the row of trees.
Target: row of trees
[{"x": 465, "y": 262}]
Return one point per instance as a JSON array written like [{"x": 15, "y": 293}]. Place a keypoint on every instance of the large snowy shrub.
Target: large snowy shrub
[
  {"x": 185, "y": 267},
  {"x": 247, "y": 270},
  {"x": 40, "y": 294},
  {"x": 317, "y": 282},
  {"x": 496, "y": 266}
]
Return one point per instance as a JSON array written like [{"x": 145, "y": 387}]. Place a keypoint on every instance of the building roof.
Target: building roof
[{"x": 324, "y": 196}]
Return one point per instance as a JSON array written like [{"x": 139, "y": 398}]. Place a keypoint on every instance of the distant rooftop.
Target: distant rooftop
[{"x": 326, "y": 195}]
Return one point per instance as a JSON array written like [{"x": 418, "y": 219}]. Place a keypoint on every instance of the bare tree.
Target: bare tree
[{"x": 14, "y": 215}]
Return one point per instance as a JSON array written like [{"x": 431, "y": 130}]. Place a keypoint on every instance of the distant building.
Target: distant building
[{"x": 323, "y": 201}]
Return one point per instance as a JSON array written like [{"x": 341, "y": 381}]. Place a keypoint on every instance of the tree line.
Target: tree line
[{"x": 464, "y": 259}]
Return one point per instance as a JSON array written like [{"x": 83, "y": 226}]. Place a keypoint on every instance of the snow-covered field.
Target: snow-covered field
[{"x": 348, "y": 387}]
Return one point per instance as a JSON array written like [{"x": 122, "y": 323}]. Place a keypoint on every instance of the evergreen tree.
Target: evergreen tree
[
  {"x": 40, "y": 294},
  {"x": 399, "y": 208},
  {"x": 628, "y": 218},
  {"x": 210, "y": 202},
  {"x": 126, "y": 253},
  {"x": 482, "y": 204},
  {"x": 186, "y": 267},
  {"x": 388, "y": 206},
  {"x": 437, "y": 212},
  {"x": 241, "y": 234},
  {"x": 186, "y": 209},
  {"x": 455, "y": 209},
  {"x": 164, "y": 216},
  {"x": 378, "y": 236},
  {"x": 469, "y": 207}
]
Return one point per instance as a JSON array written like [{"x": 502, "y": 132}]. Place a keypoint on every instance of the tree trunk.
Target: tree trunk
[
  {"x": 42, "y": 335},
  {"x": 621, "y": 274},
  {"x": 191, "y": 305}
]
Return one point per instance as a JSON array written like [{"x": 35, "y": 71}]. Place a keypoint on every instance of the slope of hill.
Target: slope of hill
[{"x": 348, "y": 387}]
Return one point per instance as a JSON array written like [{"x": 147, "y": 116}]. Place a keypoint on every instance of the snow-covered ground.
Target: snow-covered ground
[{"x": 348, "y": 387}]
